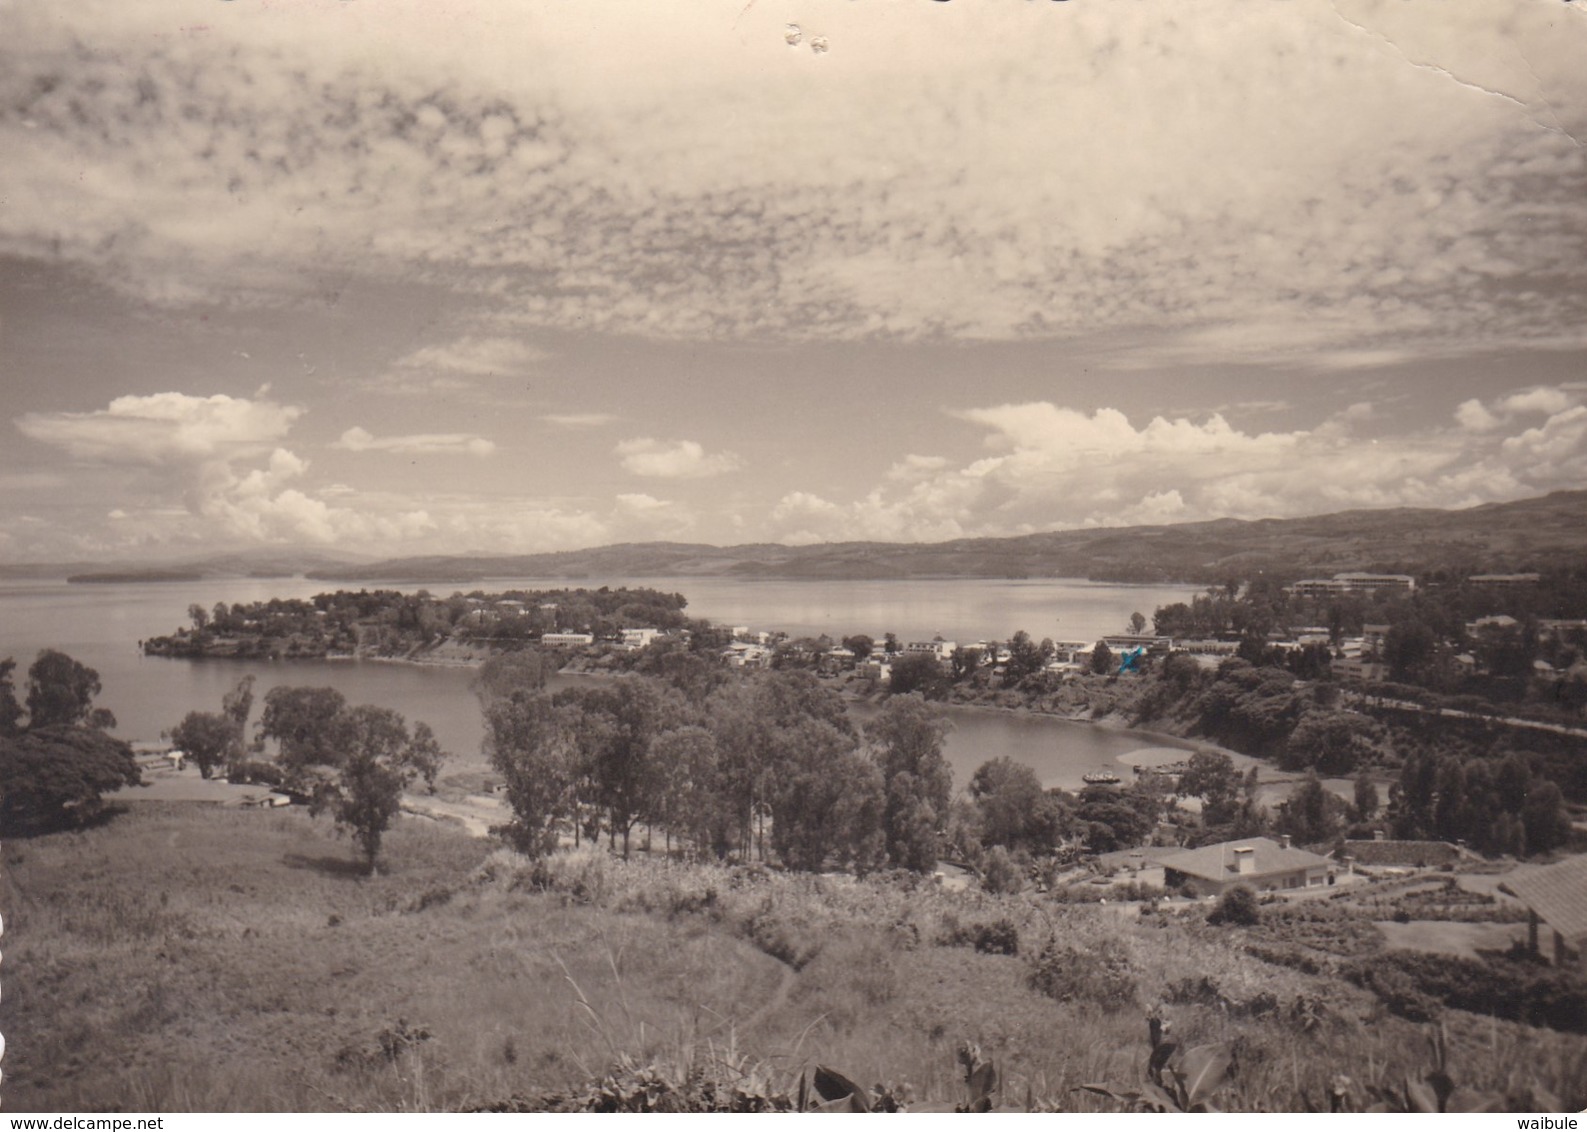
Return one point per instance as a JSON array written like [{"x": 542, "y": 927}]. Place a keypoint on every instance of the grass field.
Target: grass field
[{"x": 191, "y": 957}]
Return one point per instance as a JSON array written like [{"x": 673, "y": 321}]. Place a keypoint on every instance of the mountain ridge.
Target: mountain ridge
[{"x": 1523, "y": 534}]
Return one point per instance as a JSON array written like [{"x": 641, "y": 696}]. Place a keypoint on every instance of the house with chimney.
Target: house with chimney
[{"x": 1257, "y": 862}]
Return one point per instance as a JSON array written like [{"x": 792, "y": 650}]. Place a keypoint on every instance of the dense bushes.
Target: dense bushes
[
  {"x": 1098, "y": 976},
  {"x": 999, "y": 937},
  {"x": 1412, "y": 984},
  {"x": 1236, "y": 906}
]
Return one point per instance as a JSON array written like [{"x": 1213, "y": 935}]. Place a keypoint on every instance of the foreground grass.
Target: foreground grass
[{"x": 183, "y": 957}]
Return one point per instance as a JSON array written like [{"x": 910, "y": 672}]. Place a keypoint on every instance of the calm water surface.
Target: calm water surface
[{"x": 101, "y": 626}]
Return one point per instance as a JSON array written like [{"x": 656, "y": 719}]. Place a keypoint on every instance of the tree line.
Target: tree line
[{"x": 713, "y": 765}]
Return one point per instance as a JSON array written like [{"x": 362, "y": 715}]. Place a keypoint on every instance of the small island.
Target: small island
[
  {"x": 418, "y": 626},
  {"x": 122, "y": 577}
]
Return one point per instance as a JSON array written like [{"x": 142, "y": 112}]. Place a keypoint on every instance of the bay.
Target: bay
[{"x": 101, "y": 625}]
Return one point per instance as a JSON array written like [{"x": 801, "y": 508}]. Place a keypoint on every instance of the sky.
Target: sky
[{"x": 390, "y": 277}]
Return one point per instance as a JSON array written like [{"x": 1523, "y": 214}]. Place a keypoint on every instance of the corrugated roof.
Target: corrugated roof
[
  {"x": 1217, "y": 862},
  {"x": 1558, "y": 894}
]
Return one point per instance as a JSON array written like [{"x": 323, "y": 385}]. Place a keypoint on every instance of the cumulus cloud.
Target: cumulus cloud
[
  {"x": 656, "y": 518},
  {"x": 1053, "y": 467},
  {"x": 1476, "y": 416},
  {"x": 358, "y": 439},
  {"x": 164, "y": 428},
  {"x": 675, "y": 459},
  {"x": 218, "y": 456},
  {"x": 1543, "y": 399}
]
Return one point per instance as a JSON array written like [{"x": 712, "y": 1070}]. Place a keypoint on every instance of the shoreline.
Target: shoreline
[{"x": 1112, "y": 722}]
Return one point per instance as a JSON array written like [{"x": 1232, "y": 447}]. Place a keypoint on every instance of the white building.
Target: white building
[{"x": 567, "y": 638}]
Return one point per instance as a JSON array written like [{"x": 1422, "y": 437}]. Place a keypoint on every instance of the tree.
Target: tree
[
  {"x": 1102, "y": 659},
  {"x": 1506, "y": 650},
  {"x": 907, "y": 740},
  {"x": 425, "y": 754},
  {"x": 1024, "y": 658},
  {"x": 199, "y": 616},
  {"x": 205, "y": 737},
  {"x": 1210, "y": 775},
  {"x": 827, "y": 802},
  {"x": 300, "y": 721},
  {"x": 1010, "y": 800},
  {"x": 1311, "y": 814},
  {"x": 1545, "y": 818},
  {"x": 380, "y": 760},
  {"x": 1512, "y": 782},
  {"x": 754, "y": 722},
  {"x": 10, "y": 708},
  {"x": 1001, "y": 874},
  {"x": 1449, "y": 805},
  {"x": 860, "y": 645},
  {"x": 511, "y": 674},
  {"x": 1137, "y": 622},
  {"x": 57, "y": 775},
  {"x": 533, "y": 744},
  {"x": 61, "y": 693},
  {"x": 1334, "y": 742},
  {"x": 965, "y": 659},
  {"x": 1236, "y": 906},
  {"x": 1366, "y": 797},
  {"x": 236, "y": 705},
  {"x": 1114, "y": 818},
  {"x": 918, "y": 672},
  {"x": 1408, "y": 648},
  {"x": 690, "y": 672},
  {"x": 693, "y": 801},
  {"x": 622, "y": 719}
]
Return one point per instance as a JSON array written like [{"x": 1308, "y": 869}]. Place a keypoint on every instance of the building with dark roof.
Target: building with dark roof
[
  {"x": 1261, "y": 864},
  {"x": 1556, "y": 895}
]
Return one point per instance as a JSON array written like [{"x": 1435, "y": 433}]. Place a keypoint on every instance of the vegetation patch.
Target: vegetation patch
[
  {"x": 1415, "y": 984},
  {"x": 1096, "y": 977}
]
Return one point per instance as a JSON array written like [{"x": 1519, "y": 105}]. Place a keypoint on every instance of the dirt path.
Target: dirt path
[
  {"x": 779, "y": 997},
  {"x": 475, "y": 813}
]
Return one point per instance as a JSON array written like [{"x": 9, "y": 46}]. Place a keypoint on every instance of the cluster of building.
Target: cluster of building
[
  {"x": 1357, "y": 657},
  {"x": 1353, "y": 582}
]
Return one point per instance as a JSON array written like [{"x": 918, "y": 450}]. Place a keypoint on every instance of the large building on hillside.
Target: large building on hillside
[
  {"x": 1353, "y": 581},
  {"x": 1266, "y": 866}
]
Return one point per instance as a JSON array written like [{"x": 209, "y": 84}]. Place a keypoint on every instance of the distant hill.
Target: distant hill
[
  {"x": 1527, "y": 534},
  {"x": 273, "y": 562}
]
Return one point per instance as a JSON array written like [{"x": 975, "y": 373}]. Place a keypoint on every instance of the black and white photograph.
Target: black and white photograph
[{"x": 768, "y": 556}]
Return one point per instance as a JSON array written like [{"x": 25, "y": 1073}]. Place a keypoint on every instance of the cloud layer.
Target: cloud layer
[
  {"x": 971, "y": 269},
  {"x": 193, "y": 468},
  {"x": 1052, "y": 467},
  {"x": 1353, "y": 189}
]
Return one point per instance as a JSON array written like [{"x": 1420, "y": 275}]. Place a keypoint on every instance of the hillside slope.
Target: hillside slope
[{"x": 1526, "y": 534}]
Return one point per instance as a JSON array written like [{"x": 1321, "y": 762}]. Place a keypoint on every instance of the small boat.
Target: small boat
[{"x": 1100, "y": 778}]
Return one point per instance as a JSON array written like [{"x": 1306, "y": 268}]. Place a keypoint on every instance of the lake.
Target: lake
[{"x": 101, "y": 626}]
